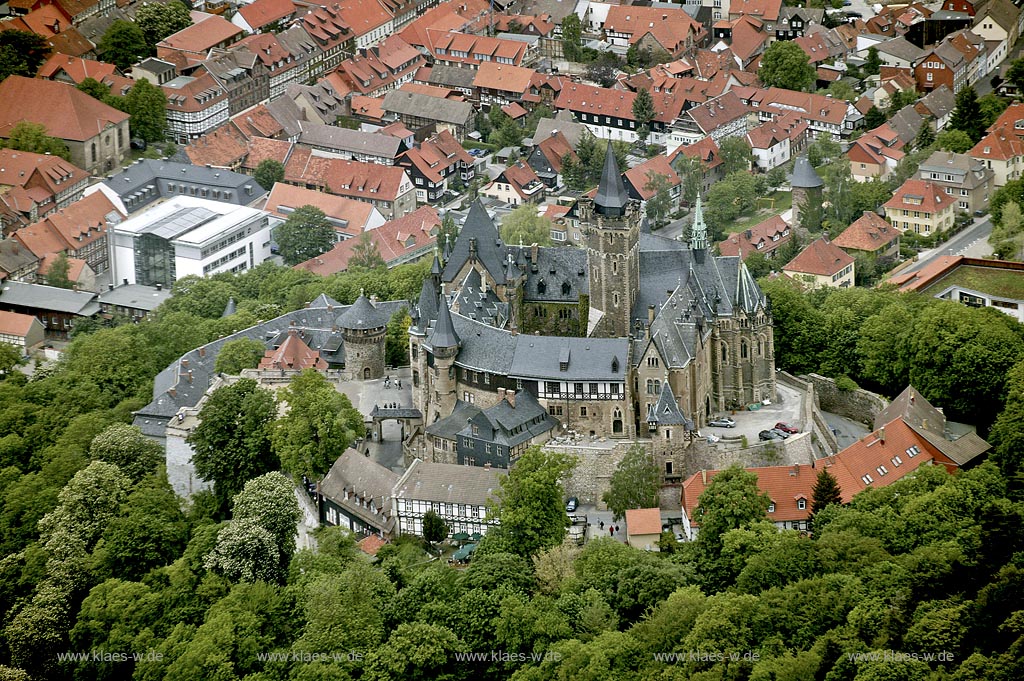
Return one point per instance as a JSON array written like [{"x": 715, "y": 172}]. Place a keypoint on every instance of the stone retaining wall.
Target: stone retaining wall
[
  {"x": 859, "y": 405},
  {"x": 813, "y": 419}
]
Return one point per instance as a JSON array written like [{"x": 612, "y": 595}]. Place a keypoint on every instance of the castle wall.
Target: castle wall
[
  {"x": 364, "y": 353},
  {"x": 860, "y": 405}
]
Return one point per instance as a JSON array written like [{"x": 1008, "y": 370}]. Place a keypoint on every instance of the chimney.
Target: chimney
[
  {"x": 796, "y": 470},
  {"x": 202, "y": 352},
  {"x": 510, "y": 395},
  {"x": 533, "y": 253},
  {"x": 881, "y": 435},
  {"x": 184, "y": 362},
  {"x": 704, "y": 477},
  {"x": 650, "y": 314},
  {"x": 487, "y": 466},
  {"x": 110, "y": 287}
]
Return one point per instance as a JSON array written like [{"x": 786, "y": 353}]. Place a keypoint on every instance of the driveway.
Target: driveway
[
  {"x": 847, "y": 430},
  {"x": 972, "y": 241},
  {"x": 788, "y": 409}
]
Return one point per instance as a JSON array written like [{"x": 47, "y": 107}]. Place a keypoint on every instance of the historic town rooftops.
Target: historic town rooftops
[
  {"x": 640, "y": 177},
  {"x": 591, "y": 99},
  {"x": 784, "y": 485},
  {"x": 405, "y": 102},
  {"x": 362, "y": 315},
  {"x": 919, "y": 195},
  {"x": 15, "y": 323},
  {"x": 998, "y": 145},
  {"x": 504, "y": 77},
  {"x": 804, "y": 175},
  {"x": 72, "y": 227},
  {"x": 19, "y": 167},
  {"x": 76, "y": 68},
  {"x": 263, "y": 12},
  {"x": 969, "y": 172},
  {"x": 334, "y": 139},
  {"x": 666, "y": 411},
  {"x": 161, "y": 175},
  {"x": 199, "y": 38},
  {"x": 672, "y": 28},
  {"x": 135, "y": 296},
  {"x": 868, "y": 233},
  {"x": 448, "y": 483},
  {"x": 40, "y": 297},
  {"x": 65, "y": 112},
  {"x": 292, "y": 354},
  {"x": 355, "y": 477},
  {"x": 516, "y": 418},
  {"x": 450, "y": 426},
  {"x": 820, "y": 257},
  {"x": 763, "y": 237},
  {"x": 643, "y": 521},
  {"x": 346, "y": 215}
]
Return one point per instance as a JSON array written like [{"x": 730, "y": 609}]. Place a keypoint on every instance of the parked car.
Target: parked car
[
  {"x": 722, "y": 422},
  {"x": 781, "y": 433},
  {"x": 786, "y": 428},
  {"x": 766, "y": 435},
  {"x": 572, "y": 504}
]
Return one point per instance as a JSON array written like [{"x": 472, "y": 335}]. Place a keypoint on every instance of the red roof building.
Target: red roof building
[
  {"x": 671, "y": 30},
  {"x": 398, "y": 241},
  {"x": 765, "y": 238},
  {"x": 49, "y": 182},
  {"x": 374, "y": 71},
  {"x": 261, "y": 13},
  {"x": 80, "y": 231},
  {"x": 195, "y": 42},
  {"x": 292, "y": 355},
  {"x": 822, "y": 263},
  {"x": 349, "y": 217},
  {"x": 869, "y": 233},
  {"x": 920, "y": 206},
  {"x": 74, "y": 70},
  {"x": 638, "y": 179}
]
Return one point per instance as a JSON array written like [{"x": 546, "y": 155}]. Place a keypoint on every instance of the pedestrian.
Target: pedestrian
[
  {"x": 602, "y": 525},
  {"x": 399, "y": 384},
  {"x": 611, "y": 530},
  {"x": 616, "y": 528}
]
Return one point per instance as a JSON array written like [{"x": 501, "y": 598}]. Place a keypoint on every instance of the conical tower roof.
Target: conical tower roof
[
  {"x": 435, "y": 267},
  {"x": 804, "y": 175},
  {"x": 230, "y": 308},
  {"x": 427, "y": 308},
  {"x": 611, "y": 196},
  {"x": 444, "y": 335},
  {"x": 362, "y": 315},
  {"x": 699, "y": 229}
]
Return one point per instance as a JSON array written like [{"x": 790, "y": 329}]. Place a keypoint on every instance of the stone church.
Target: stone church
[{"x": 630, "y": 334}]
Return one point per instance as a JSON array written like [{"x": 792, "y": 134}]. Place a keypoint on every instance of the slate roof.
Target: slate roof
[
  {"x": 804, "y": 175},
  {"x": 449, "y": 427},
  {"x": 502, "y": 419},
  {"x": 444, "y": 334},
  {"x": 160, "y": 173},
  {"x": 135, "y": 296},
  {"x": 555, "y": 266},
  {"x": 362, "y": 315},
  {"x": 362, "y": 477},
  {"x": 589, "y": 359},
  {"x": 40, "y": 297},
  {"x": 611, "y": 192},
  {"x": 448, "y": 483},
  {"x": 479, "y": 226},
  {"x": 666, "y": 411}
]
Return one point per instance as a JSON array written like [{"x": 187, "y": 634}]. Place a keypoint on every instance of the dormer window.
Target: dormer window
[
  {"x": 771, "y": 507},
  {"x": 801, "y": 504}
]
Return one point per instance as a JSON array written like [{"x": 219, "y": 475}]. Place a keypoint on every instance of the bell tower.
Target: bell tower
[{"x": 611, "y": 225}]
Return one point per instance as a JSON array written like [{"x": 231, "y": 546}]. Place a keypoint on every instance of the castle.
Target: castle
[{"x": 664, "y": 334}]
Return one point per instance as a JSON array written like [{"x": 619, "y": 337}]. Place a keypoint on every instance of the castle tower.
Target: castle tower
[
  {"x": 443, "y": 343},
  {"x": 611, "y": 224},
  {"x": 698, "y": 230},
  {"x": 363, "y": 328},
  {"x": 425, "y": 316},
  {"x": 806, "y": 187}
]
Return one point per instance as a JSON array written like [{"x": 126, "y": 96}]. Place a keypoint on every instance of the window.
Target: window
[
  {"x": 583, "y": 411},
  {"x": 913, "y": 451},
  {"x": 652, "y": 361},
  {"x": 867, "y": 479},
  {"x": 668, "y": 468},
  {"x": 771, "y": 507},
  {"x": 882, "y": 470}
]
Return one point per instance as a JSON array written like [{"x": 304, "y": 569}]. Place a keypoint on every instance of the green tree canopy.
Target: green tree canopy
[
  {"x": 736, "y": 154},
  {"x": 318, "y": 427},
  {"x": 785, "y": 65},
  {"x": 957, "y": 141},
  {"x": 967, "y": 115},
  {"x": 94, "y": 89},
  {"x": 525, "y": 225},
  {"x": 643, "y": 113},
  {"x": 147, "y": 105},
  {"x": 530, "y": 504},
  {"x": 434, "y": 528},
  {"x": 158, "y": 21},
  {"x": 127, "y": 448},
  {"x": 660, "y": 204},
  {"x": 57, "y": 274},
  {"x": 231, "y": 444},
  {"x": 28, "y": 136},
  {"x": 304, "y": 235},
  {"x": 826, "y": 491},
  {"x": 365, "y": 254},
  {"x": 22, "y": 53},
  {"x": 572, "y": 37},
  {"x": 874, "y": 118},
  {"x": 238, "y": 354},
  {"x": 269, "y": 172},
  {"x": 123, "y": 44},
  {"x": 634, "y": 484}
]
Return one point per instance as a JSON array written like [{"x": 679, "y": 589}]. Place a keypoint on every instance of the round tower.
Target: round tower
[
  {"x": 806, "y": 187},
  {"x": 363, "y": 328},
  {"x": 443, "y": 343}
]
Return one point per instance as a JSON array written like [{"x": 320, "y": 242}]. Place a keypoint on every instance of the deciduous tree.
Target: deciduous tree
[
  {"x": 304, "y": 235},
  {"x": 242, "y": 353},
  {"x": 147, "y": 105},
  {"x": 634, "y": 484},
  {"x": 269, "y": 172},
  {"x": 785, "y": 65},
  {"x": 28, "y": 136},
  {"x": 127, "y": 448},
  {"x": 434, "y": 529},
  {"x": 365, "y": 254},
  {"x": 957, "y": 141},
  {"x": 525, "y": 225},
  {"x": 874, "y": 118},
  {"x": 736, "y": 154},
  {"x": 123, "y": 44},
  {"x": 22, "y": 53},
  {"x": 57, "y": 275},
  {"x": 158, "y": 21}
]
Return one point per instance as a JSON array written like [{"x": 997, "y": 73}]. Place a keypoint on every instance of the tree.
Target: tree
[
  {"x": 245, "y": 552},
  {"x": 842, "y": 90},
  {"x": 758, "y": 265},
  {"x": 572, "y": 37},
  {"x": 318, "y": 427},
  {"x": 992, "y": 106},
  {"x": 159, "y": 21},
  {"x": 604, "y": 70},
  {"x": 785, "y": 65},
  {"x": 232, "y": 444},
  {"x": 525, "y": 225},
  {"x": 147, "y": 105},
  {"x": 396, "y": 340},
  {"x": 529, "y": 504},
  {"x": 873, "y": 63},
  {"x": 925, "y": 136},
  {"x": 27, "y": 136},
  {"x": 1007, "y": 434},
  {"x": 731, "y": 501},
  {"x": 57, "y": 274},
  {"x": 691, "y": 171},
  {"x": 418, "y": 651},
  {"x": 123, "y": 44},
  {"x": 643, "y": 113},
  {"x": 127, "y": 448},
  {"x": 365, "y": 254},
  {"x": 268, "y": 173},
  {"x": 874, "y": 118},
  {"x": 434, "y": 529},
  {"x": 822, "y": 151},
  {"x": 634, "y": 484},
  {"x": 967, "y": 114},
  {"x": 826, "y": 491},
  {"x": 736, "y": 154},
  {"x": 1015, "y": 74},
  {"x": 22, "y": 53},
  {"x": 94, "y": 88},
  {"x": 269, "y": 500},
  {"x": 659, "y": 205},
  {"x": 242, "y": 353},
  {"x": 304, "y": 235},
  {"x": 448, "y": 233},
  {"x": 151, "y": 531},
  {"x": 957, "y": 141}
]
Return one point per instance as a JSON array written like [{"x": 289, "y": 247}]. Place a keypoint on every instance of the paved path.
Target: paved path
[
  {"x": 365, "y": 395},
  {"x": 972, "y": 241},
  {"x": 848, "y": 430}
]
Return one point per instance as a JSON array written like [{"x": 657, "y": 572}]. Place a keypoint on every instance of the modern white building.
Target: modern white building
[{"x": 187, "y": 235}]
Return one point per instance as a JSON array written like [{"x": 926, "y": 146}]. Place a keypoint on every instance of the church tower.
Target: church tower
[
  {"x": 699, "y": 229},
  {"x": 443, "y": 343},
  {"x": 611, "y": 225}
]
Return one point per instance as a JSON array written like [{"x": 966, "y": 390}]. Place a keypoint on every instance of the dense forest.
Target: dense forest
[{"x": 105, "y": 575}]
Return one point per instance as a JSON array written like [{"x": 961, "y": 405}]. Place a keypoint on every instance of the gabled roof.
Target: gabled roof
[
  {"x": 200, "y": 38},
  {"x": 66, "y": 112},
  {"x": 998, "y": 146},
  {"x": 921, "y": 196},
  {"x": 16, "y": 324},
  {"x": 868, "y": 233},
  {"x": 293, "y": 354},
  {"x": 76, "y": 68},
  {"x": 639, "y": 176},
  {"x": 643, "y": 522},
  {"x": 71, "y": 228},
  {"x": 784, "y": 485},
  {"x": 769, "y": 235},
  {"x": 259, "y": 13},
  {"x": 285, "y": 198},
  {"x": 479, "y": 227},
  {"x": 504, "y": 77},
  {"x": 666, "y": 411},
  {"x": 763, "y": 9},
  {"x": 820, "y": 257}
]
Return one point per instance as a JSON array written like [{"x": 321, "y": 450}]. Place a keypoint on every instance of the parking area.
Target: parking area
[{"x": 787, "y": 409}]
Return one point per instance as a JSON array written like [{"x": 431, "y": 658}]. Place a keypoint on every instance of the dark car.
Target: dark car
[
  {"x": 786, "y": 428},
  {"x": 781, "y": 433},
  {"x": 854, "y": 15},
  {"x": 766, "y": 435},
  {"x": 572, "y": 504},
  {"x": 138, "y": 143}
]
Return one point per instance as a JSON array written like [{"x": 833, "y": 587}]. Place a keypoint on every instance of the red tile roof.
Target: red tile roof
[
  {"x": 76, "y": 266},
  {"x": 764, "y": 9},
  {"x": 223, "y": 147},
  {"x": 643, "y": 521},
  {"x": 672, "y": 28},
  {"x": 591, "y": 99},
  {"x": 262, "y": 12},
  {"x": 717, "y": 112},
  {"x": 439, "y": 152},
  {"x": 784, "y": 485},
  {"x": 997, "y": 146},
  {"x": 293, "y": 353},
  {"x": 394, "y": 239},
  {"x": 76, "y": 68},
  {"x": 71, "y": 228},
  {"x": 504, "y": 77},
  {"x": 555, "y": 147},
  {"x": 66, "y": 112},
  {"x": 921, "y": 196},
  {"x": 815, "y": 48},
  {"x": 15, "y": 324},
  {"x": 367, "y": 181},
  {"x": 285, "y": 198},
  {"x": 23, "y": 168},
  {"x": 371, "y": 544},
  {"x": 447, "y": 16},
  {"x": 706, "y": 150},
  {"x": 820, "y": 257},
  {"x": 199, "y": 38},
  {"x": 639, "y": 176},
  {"x": 869, "y": 233},
  {"x": 769, "y": 235}
]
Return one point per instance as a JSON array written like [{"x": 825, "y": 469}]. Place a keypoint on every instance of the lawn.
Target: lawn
[
  {"x": 990, "y": 280},
  {"x": 773, "y": 204}
]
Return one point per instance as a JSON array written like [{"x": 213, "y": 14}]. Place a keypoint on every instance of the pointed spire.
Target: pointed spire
[
  {"x": 427, "y": 308},
  {"x": 435, "y": 267},
  {"x": 611, "y": 196},
  {"x": 699, "y": 230},
  {"x": 444, "y": 335},
  {"x": 230, "y": 308}
]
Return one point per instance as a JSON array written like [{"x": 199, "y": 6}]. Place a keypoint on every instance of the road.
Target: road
[{"x": 972, "y": 241}]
